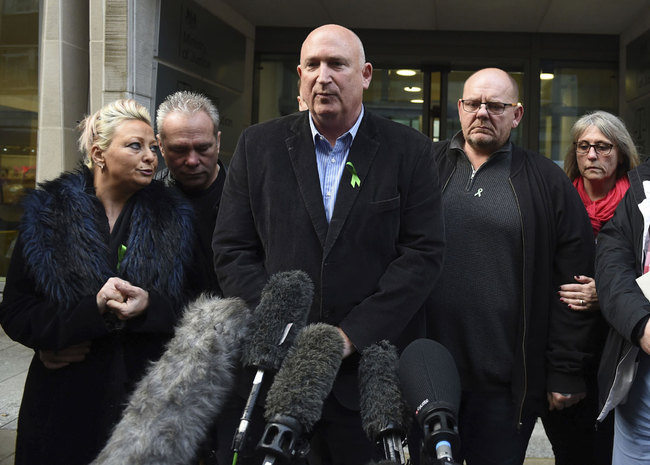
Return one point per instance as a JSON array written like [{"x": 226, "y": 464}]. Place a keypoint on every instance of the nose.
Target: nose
[
  {"x": 192, "y": 158},
  {"x": 591, "y": 154},
  {"x": 150, "y": 154},
  {"x": 324, "y": 73},
  {"x": 482, "y": 111}
]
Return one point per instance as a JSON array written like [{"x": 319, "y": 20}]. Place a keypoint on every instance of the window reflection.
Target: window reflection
[
  {"x": 572, "y": 92},
  {"x": 398, "y": 97},
  {"x": 18, "y": 114}
]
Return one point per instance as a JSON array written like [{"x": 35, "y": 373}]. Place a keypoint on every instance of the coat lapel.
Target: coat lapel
[
  {"x": 362, "y": 154},
  {"x": 300, "y": 147}
]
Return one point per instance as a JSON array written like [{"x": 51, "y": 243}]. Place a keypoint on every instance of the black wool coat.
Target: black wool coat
[
  {"x": 376, "y": 261},
  {"x": 59, "y": 264}
]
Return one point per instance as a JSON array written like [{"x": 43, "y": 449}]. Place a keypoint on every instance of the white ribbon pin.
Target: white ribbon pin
[{"x": 478, "y": 192}]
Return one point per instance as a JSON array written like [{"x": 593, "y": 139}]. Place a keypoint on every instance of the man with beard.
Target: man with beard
[{"x": 516, "y": 229}]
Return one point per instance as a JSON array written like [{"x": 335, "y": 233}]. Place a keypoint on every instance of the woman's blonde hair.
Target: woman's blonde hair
[
  {"x": 98, "y": 128},
  {"x": 614, "y": 129}
]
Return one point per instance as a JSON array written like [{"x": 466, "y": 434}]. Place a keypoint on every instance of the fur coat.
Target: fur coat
[{"x": 60, "y": 262}]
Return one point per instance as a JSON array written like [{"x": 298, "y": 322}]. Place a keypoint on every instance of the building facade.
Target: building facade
[{"x": 63, "y": 59}]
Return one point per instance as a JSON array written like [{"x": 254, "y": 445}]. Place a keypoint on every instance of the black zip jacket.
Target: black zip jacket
[{"x": 555, "y": 344}]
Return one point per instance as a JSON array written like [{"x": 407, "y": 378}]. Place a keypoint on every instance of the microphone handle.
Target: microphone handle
[
  {"x": 393, "y": 450},
  {"x": 240, "y": 434},
  {"x": 269, "y": 460}
]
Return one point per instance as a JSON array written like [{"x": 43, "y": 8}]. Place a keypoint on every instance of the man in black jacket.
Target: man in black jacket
[
  {"x": 189, "y": 138},
  {"x": 348, "y": 197},
  {"x": 516, "y": 229}
]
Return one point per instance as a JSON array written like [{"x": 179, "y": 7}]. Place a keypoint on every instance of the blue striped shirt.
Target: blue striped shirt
[{"x": 331, "y": 162}]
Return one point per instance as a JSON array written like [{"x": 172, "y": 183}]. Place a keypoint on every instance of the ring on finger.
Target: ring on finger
[{"x": 582, "y": 302}]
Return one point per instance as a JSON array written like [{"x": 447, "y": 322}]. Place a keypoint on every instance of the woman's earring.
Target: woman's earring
[{"x": 101, "y": 166}]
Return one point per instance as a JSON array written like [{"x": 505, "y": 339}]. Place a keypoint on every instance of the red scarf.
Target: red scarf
[{"x": 602, "y": 210}]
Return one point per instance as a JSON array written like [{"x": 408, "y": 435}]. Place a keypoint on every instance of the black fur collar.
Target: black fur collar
[{"x": 66, "y": 253}]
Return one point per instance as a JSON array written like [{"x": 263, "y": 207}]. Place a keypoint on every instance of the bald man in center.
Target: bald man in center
[{"x": 348, "y": 197}]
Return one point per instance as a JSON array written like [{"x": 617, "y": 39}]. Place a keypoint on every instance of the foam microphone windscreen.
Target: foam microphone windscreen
[
  {"x": 382, "y": 404},
  {"x": 429, "y": 378},
  {"x": 173, "y": 406},
  {"x": 306, "y": 376},
  {"x": 286, "y": 298}
]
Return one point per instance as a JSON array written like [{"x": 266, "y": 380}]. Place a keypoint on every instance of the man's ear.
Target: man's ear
[
  {"x": 519, "y": 114},
  {"x": 366, "y": 72},
  {"x": 218, "y": 142},
  {"x": 160, "y": 145}
]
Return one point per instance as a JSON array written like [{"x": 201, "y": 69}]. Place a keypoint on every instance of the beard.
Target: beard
[{"x": 484, "y": 143}]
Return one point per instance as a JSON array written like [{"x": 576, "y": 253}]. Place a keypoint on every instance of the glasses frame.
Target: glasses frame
[
  {"x": 595, "y": 146},
  {"x": 503, "y": 109}
]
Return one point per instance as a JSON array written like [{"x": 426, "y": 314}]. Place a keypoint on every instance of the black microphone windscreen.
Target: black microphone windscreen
[
  {"x": 173, "y": 406},
  {"x": 286, "y": 298},
  {"x": 306, "y": 376},
  {"x": 429, "y": 377},
  {"x": 381, "y": 401}
]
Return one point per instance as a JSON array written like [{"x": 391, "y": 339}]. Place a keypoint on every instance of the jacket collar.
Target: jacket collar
[
  {"x": 65, "y": 242},
  {"x": 300, "y": 146}
]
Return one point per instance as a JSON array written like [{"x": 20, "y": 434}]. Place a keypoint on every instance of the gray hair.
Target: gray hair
[
  {"x": 614, "y": 129},
  {"x": 98, "y": 128},
  {"x": 189, "y": 103}
]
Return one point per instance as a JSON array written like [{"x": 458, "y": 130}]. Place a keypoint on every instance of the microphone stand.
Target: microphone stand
[
  {"x": 240, "y": 434},
  {"x": 392, "y": 442}
]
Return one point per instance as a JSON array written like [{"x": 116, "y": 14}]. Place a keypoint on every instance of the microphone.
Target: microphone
[
  {"x": 172, "y": 407},
  {"x": 295, "y": 399},
  {"x": 280, "y": 315},
  {"x": 431, "y": 386},
  {"x": 384, "y": 414}
]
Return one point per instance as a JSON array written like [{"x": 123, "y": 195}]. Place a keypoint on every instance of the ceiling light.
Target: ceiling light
[
  {"x": 546, "y": 76},
  {"x": 405, "y": 72},
  {"x": 417, "y": 100},
  {"x": 412, "y": 89}
]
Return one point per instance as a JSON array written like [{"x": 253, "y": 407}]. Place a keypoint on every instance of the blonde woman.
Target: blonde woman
[{"x": 95, "y": 286}]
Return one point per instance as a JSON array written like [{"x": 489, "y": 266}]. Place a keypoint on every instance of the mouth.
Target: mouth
[
  {"x": 146, "y": 172},
  {"x": 482, "y": 129},
  {"x": 324, "y": 95}
]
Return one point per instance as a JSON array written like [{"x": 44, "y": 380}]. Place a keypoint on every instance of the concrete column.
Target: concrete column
[{"x": 63, "y": 85}]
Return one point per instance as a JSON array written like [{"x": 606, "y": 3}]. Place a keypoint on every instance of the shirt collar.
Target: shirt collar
[{"x": 352, "y": 131}]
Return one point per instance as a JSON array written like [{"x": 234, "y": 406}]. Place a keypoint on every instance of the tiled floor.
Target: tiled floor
[{"x": 14, "y": 360}]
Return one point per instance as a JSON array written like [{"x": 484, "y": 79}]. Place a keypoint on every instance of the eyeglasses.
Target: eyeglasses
[
  {"x": 601, "y": 148},
  {"x": 493, "y": 108}
]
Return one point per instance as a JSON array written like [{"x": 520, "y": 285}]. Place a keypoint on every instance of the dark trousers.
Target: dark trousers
[
  {"x": 489, "y": 434},
  {"x": 576, "y": 438}
]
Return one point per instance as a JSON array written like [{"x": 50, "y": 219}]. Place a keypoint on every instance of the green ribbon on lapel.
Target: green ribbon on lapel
[
  {"x": 120, "y": 255},
  {"x": 355, "y": 181}
]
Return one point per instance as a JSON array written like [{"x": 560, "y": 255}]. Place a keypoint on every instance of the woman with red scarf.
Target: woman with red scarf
[{"x": 597, "y": 163}]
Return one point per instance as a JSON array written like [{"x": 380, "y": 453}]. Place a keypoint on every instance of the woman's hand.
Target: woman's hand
[
  {"x": 108, "y": 292},
  {"x": 133, "y": 300},
  {"x": 55, "y": 359},
  {"x": 580, "y": 296},
  {"x": 558, "y": 401}
]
